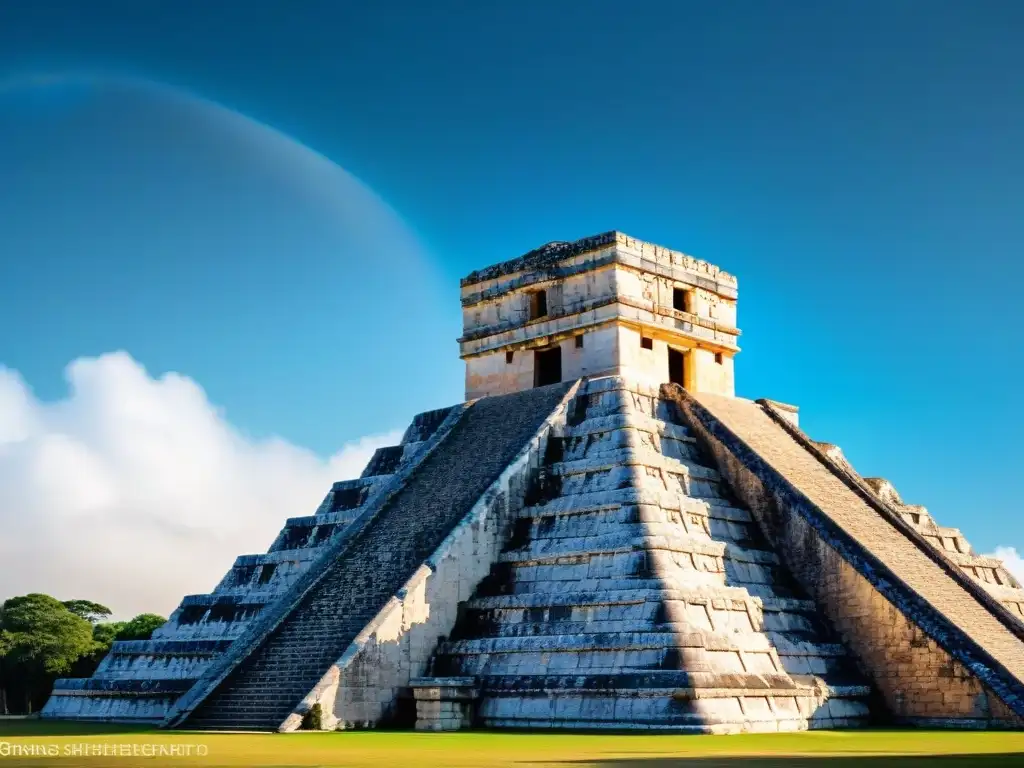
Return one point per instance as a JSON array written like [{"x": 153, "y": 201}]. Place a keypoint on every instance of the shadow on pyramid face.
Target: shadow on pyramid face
[{"x": 635, "y": 591}]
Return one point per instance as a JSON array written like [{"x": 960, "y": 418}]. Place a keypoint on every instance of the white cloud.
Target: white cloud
[
  {"x": 1012, "y": 560},
  {"x": 135, "y": 491}
]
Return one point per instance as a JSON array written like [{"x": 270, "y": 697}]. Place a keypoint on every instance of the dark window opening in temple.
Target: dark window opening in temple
[
  {"x": 547, "y": 367},
  {"x": 267, "y": 572},
  {"x": 679, "y": 299},
  {"x": 676, "y": 367},
  {"x": 579, "y": 341},
  {"x": 538, "y": 304},
  {"x": 718, "y": 357},
  {"x": 646, "y": 343},
  {"x": 508, "y": 357}
]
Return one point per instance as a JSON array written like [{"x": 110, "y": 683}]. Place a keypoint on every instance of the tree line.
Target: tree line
[{"x": 42, "y": 638}]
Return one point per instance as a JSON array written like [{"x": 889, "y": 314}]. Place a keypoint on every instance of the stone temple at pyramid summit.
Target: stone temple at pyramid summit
[{"x": 602, "y": 536}]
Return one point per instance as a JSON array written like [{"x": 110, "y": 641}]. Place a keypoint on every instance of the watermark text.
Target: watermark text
[{"x": 105, "y": 749}]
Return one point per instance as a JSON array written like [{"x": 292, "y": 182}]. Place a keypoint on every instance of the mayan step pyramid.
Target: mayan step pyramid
[{"x": 601, "y": 536}]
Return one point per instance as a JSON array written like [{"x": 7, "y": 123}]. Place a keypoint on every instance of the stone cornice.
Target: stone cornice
[
  {"x": 588, "y": 306},
  {"x": 538, "y": 258},
  {"x": 546, "y": 267},
  {"x": 538, "y": 333}
]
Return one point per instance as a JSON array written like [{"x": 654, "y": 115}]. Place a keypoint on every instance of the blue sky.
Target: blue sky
[{"x": 856, "y": 164}]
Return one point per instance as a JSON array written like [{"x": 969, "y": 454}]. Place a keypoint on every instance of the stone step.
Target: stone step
[
  {"x": 504, "y": 579},
  {"x": 673, "y": 567},
  {"x": 297, "y": 538},
  {"x": 549, "y": 550},
  {"x": 347, "y": 495},
  {"x": 599, "y": 425},
  {"x": 669, "y": 709},
  {"x": 385, "y": 461},
  {"x": 638, "y": 594},
  {"x": 96, "y": 687},
  {"x": 217, "y": 608},
  {"x": 670, "y": 726},
  {"x": 645, "y": 498},
  {"x": 327, "y": 518},
  {"x": 619, "y": 397},
  {"x": 269, "y": 572},
  {"x": 540, "y": 622},
  {"x": 370, "y": 569},
  {"x": 679, "y": 636},
  {"x": 677, "y": 682},
  {"x": 530, "y": 531},
  {"x": 169, "y": 647},
  {"x": 658, "y": 710},
  {"x": 276, "y": 558},
  {"x": 632, "y": 457},
  {"x": 647, "y": 447},
  {"x": 424, "y": 425},
  {"x": 651, "y": 484}
]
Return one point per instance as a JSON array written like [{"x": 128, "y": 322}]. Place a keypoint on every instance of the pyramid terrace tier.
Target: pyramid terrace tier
[
  {"x": 636, "y": 577},
  {"x": 141, "y": 680}
]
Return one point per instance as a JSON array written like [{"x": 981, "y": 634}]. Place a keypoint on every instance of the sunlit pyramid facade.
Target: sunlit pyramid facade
[{"x": 601, "y": 536}]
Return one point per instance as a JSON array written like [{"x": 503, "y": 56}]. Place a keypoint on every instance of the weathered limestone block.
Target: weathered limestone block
[{"x": 444, "y": 703}]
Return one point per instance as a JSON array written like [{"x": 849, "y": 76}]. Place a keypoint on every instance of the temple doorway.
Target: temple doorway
[
  {"x": 676, "y": 367},
  {"x": 547, "y": 366}
]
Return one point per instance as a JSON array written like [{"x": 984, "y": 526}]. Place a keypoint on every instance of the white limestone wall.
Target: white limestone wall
[
  {"x": 360, "y": 689},
  {"x": 660, "y": 291},
  {"x": 87, "y": 705},
  {"x": 709, "y": 375},
  {"x": 564, "y": 294},
  {"x": 650, "y": 366},
  {"x": 119, "y": 666},
  {"x": 627, "y": 282},
  {"x": 492, "y": 374}
]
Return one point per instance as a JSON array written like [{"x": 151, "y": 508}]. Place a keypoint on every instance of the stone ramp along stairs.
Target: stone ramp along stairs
[
  {"x": 269, "y": 670},
  {"x": 938, "y": 647},
  {"x": 989, "y": 572},
  {"x": 140, "y": 680}
]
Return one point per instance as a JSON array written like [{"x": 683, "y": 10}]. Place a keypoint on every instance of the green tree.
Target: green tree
[
  {"x": 5, "y": 646},
  {"x": 42, "y": 640},
  {"x": 88, "y": 610},
  {"x": 141, "y": 627},
  {"x": 105, "y": 633}
]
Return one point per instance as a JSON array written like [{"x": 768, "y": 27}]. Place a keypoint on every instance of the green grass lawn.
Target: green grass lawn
[{"x": 382, "y": 749}]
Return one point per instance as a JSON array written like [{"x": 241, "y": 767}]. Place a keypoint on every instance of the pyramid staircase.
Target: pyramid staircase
[
  {"x": 140, "y": 680},
  {"x": 989, "y": 572},
  {"x": 270, "y": 669},
  {"x": 938, "y": 646},
  {"x": 635, "y": 592}
]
